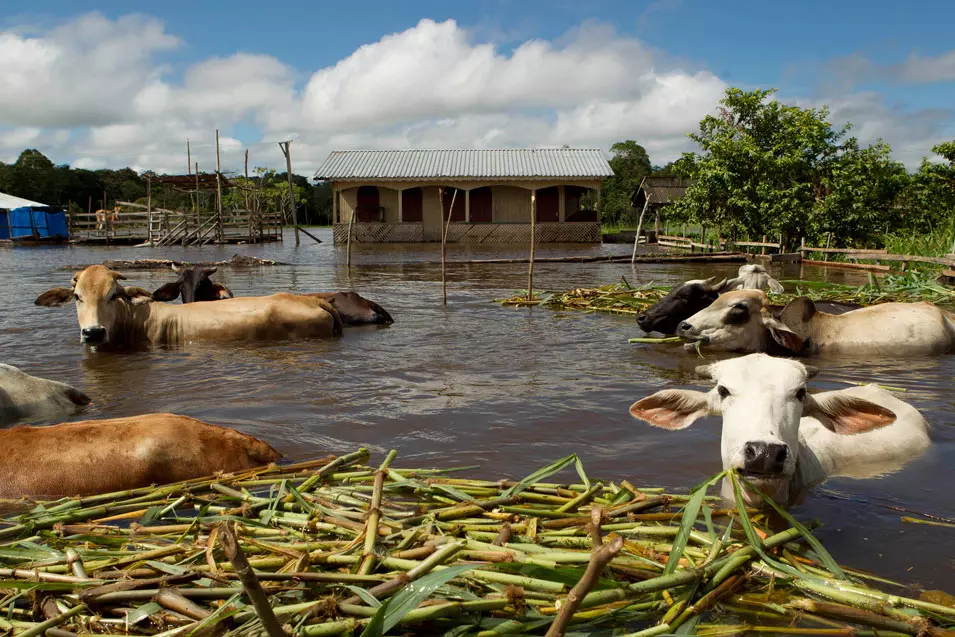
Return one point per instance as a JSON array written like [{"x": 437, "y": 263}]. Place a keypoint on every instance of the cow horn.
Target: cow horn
[
  {"x": 211, "y": 271},
  {"x": 811, "y": 371},
  {"x": 703, "y": 371},
  {"x": 176, "y": 268},
  {"x": 717, "y": 286}
]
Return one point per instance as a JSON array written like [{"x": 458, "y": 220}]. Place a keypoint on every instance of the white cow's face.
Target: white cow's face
[{"x": 762, "y": 400}]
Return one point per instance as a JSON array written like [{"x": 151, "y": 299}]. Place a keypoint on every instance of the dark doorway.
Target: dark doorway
[
  {"x": 368, "y": 207},
  {"x": 458, "y": 213},
  {"x": 411, "y": 205},
  {"x": 548, "y": 204},
  {"x": 481, "y": 209}
]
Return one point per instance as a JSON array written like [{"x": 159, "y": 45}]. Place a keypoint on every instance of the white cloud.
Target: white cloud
[
  {"x": 918, "y": 69},
  {"x": 97, "y": 93}
]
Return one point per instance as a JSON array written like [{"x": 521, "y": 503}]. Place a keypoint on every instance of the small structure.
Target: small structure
[
  {"x": 404, "y": 196},
  {"x": 25, "y": 221},
  {"x": 661, "y": 192}
]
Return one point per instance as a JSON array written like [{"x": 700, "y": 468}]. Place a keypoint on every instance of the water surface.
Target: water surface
[{"x": 472, "y": 382}]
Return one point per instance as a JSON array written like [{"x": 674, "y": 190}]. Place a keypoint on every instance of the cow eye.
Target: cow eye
[
  {"x": 740, "y": 306},
  {"x": 76, "y": 297},
  {"x": 801, "y": 394},
  {"x": 722, "y": 391}
]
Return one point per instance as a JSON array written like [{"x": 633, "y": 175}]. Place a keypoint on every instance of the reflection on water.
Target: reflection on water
[{"x": 471, "y": 382}]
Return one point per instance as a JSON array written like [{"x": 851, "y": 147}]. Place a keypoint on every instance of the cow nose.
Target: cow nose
[
  {"x": 683, "y": 327},
  {"x": 765, "y": 457},
  {"x": 94, "y": 334},
  {"x": 641, "y": 319}
]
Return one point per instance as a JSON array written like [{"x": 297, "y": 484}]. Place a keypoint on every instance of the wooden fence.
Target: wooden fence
[
  {"x": 864, "y": 254},
  {"x": 159, "y": 226}
]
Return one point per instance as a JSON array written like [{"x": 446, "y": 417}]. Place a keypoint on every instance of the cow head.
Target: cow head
[
  {"x": 682, "y": 302},
  {"x": 739, "y": 321},
  {"x": 357, "y": 310},
  {"x": 762, "y": 400},
  {"x": 194, "y": 284},
  {"x": 100, "y": 302}
]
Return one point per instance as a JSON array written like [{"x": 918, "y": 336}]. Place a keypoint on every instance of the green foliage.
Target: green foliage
[
  {"x": 630, "y": 163},
  {"x": 33, "y": 176}
]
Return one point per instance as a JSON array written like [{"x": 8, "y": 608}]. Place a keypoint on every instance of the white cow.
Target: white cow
[
  {"x": 785, "y": 440},
  {"x": 25, "y": 396},
  {"x": 753, "y": 277}
]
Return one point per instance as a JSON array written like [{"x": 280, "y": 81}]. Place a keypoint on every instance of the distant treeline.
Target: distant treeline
[
  {"x": 33, "y": 176},
  {"x": 767, "y": 168}
]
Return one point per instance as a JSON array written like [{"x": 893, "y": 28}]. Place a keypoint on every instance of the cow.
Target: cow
[
  {"x": 195, "y": 284},
  {"x": 785, "y": 440},
  {"x": 25, "y": 396},
  {"x": 109, "y": 313},
  {"x": 690, "y": 297},
  {"x": 102, "y": 216},
  {"x": 740, "y": 321},
  {"x": 103, "y": 456}
]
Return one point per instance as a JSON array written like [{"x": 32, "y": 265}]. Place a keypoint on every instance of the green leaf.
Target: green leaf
[
  {"x": 410, "y": 597},
  {"x": 151, "y": 515},
  {"x": 365, "y": 596},
  {"x": 580, "y": 471},
  {"x": 137, "y": 615},
  {"x": 540, "y": 474},
  {"x": 690, "y": 512}
]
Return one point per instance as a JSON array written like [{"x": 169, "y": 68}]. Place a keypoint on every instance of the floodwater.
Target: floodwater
[{"x": 474, "y": 383}]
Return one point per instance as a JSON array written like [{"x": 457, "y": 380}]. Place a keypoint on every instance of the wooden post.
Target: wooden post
[
  {"x": 636, "y": 239},
  {"x": 188, "y": 158},
  {"x": 401, "y": 213},
  {"x": 220, "y": 234},
  {"x": 149, "y": 209},
  {"x": 195, "y": 209},
  {"x": 762, "y": 249},
  {"x": 825, "y": 257},
  {"x": 444, "y": 243},
  {"x": 530, "y": 268},
  {"x": 351, "y": 218},
  {"x": 467, "y": 206},
  {"x": 336, "y": 216},
  {"x": 291, "y": 189}
]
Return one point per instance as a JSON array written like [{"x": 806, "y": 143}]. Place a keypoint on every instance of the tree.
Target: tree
[
  {"x": 630, "y": 164},
  {"x": 761, "y": 164}
]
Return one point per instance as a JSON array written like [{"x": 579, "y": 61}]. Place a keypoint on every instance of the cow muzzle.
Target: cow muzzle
[
  {"x": 95, "y": 335},
  {"x": 765, "y": 459}
]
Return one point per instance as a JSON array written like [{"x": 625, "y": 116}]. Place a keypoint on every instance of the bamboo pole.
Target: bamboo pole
[
  {"x": 249, "y": 581},
  {"x": 636, "y": 239},
  {"x": 530, "y": 266},
  {"x": 444, "y": 243},
  {"x": 220, "y": 235},
  {"x": 351, "y": 219},
  {"x": 286, "y": 150}
]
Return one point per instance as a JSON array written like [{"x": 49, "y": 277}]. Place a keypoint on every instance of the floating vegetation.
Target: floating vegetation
[
  {"x": 622, "y": 298},
  {"x": 334, "y": 547}
]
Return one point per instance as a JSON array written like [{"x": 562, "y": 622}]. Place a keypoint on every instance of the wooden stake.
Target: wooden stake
[
  {"x": 253, "y": 589},
  {"x": 599, "y": 559},
  {"x": 530, "y": 267},
  {"x": 188, "y": 158},
  {"x": 149, "y": 209},
  {"x": 291, "y": 189},
  {"x": 444, "y": 243},
  {"x": 636, "y": 239},
  {"x": 351, "y": 219},
  {"x": 219, "y": 232}
]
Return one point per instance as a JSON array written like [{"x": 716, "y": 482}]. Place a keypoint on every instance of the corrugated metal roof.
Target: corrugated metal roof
[
  {"x": 465, "y": 163},
  {"x": 9, "y": 202}
]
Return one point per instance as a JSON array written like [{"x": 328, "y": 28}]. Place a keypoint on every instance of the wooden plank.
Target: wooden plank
[
  {"x": 907, "y": 257},
  {"x": 754, "y": 244},
  {"x": 791, "y": 257},
  {"x": 843, "y": 250},
  {"x": 848, "y": 266}
]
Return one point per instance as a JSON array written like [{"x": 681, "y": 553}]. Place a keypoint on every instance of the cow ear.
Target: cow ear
[
  {"x": 672, "y": 408},
  {"x": 167, "y": 292},
  {"x": 117, "y": 276},
  {"x": 221, "y": 291},
  {"x": 55, "y": 297},
  {"x": 798, "y": 313},
  {"x": 137, "y": 295},
  {"x": 784, "y": 336},
  {"x": 775, "y": 286},
  {"x": 845, "y": 414}
]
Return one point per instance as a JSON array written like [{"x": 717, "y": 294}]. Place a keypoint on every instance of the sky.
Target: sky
[{"x": 115, "y": 84}]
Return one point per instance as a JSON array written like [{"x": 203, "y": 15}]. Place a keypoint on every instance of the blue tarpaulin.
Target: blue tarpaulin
[{"x": 35, "y": 223}]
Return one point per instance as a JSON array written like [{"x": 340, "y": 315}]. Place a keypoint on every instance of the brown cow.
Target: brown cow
[
  {"x": 103, "y": 456},
  {"x": 111, "y": 313}
]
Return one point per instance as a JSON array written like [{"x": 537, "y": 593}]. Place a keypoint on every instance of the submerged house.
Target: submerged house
[{"x": 405, "y": 196}]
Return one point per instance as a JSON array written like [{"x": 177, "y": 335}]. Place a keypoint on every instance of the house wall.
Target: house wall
[
  {"x": 388, "y": 199},
  {"x": 431, "y": 213},
  {"x": 510, "y": 204}
]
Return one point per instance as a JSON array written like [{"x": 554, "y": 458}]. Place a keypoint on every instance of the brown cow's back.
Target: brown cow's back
[{"x": 102, "y": 456}]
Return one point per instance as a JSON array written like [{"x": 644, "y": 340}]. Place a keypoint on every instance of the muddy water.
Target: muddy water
[{"x": 474, "y": 383}]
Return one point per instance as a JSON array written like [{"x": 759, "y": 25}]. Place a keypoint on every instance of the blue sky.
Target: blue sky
[{"x": 296, "y": 69}]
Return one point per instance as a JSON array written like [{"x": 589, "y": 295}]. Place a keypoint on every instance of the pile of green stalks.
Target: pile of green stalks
[
  {"x": 335, "y": 547},
  {"x": 622, "y": 298}
]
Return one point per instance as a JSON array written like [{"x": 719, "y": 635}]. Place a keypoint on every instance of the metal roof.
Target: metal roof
[
  {"x": 465, "y": 164},
  {"x": 9, "y": 202}
]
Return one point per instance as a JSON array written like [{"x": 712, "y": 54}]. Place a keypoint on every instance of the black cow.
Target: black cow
[
  {"x": 681, "y": 303},
  {"x": 193, "y": 285}
]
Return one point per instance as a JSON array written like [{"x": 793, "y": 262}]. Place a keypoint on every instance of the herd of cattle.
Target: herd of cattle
[{"x": 784, "y": 439}]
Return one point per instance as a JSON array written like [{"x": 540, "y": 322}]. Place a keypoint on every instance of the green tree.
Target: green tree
[
  {"x": 761, "y": 165},
  {"x": 630, "y": 164}
]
